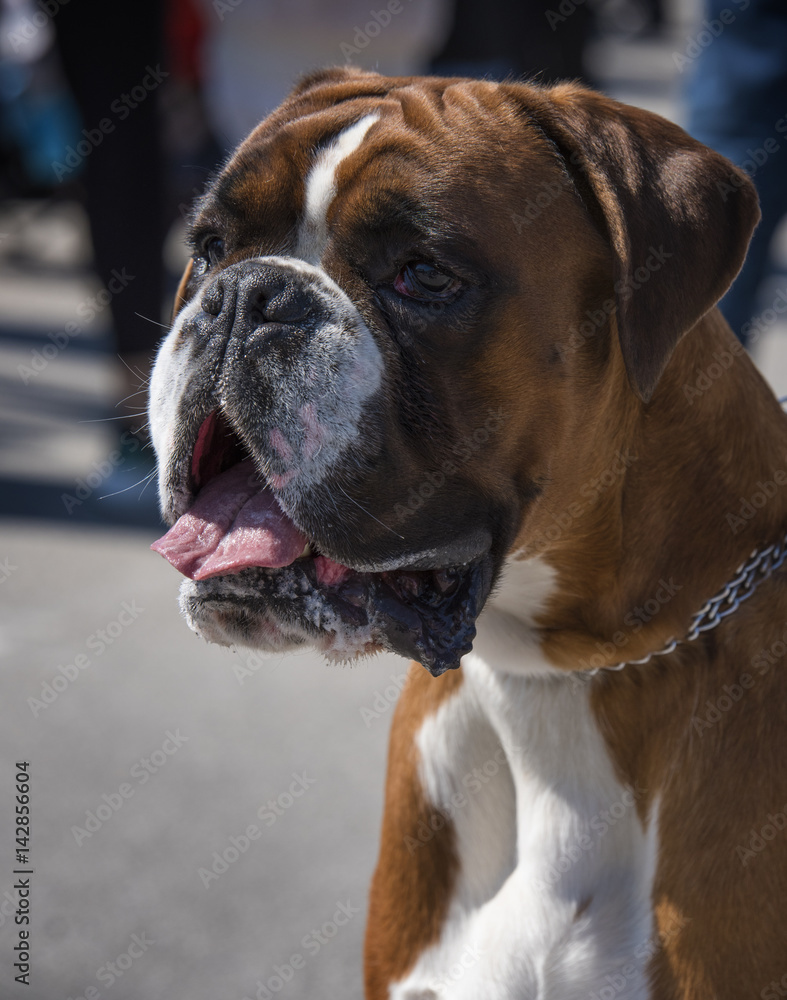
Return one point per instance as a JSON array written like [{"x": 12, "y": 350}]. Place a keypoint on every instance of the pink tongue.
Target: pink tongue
[{"x": 235, "y": 522}]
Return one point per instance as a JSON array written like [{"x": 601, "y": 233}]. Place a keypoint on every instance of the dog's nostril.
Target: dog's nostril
[
  {"x": 213, "y": 298},
  {"x": 256, "y": 310},
  {"x": 283, "y": 306},
  {"x": 289, "y": 306}
]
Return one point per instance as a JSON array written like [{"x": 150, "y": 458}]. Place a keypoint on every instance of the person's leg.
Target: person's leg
[
  {"x": 111, "y": 55},
  {"x": 737, "y": 100}
]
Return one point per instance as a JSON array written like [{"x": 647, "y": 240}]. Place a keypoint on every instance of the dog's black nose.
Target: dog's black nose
[
  {"x": 276, "y": 300},
  {"x": 260, "y": 294}
]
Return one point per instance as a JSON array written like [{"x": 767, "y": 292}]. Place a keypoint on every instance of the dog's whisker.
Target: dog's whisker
[
  {"x": 143, "y": 377},
  {"x": 369, "y": 513},
  {"x": 103, "y": 420},
  {"x": 145, "y": 479},
  {"x": 151, "y": 476},
  {"x": 131, "y": 395},
  {"x": 155, "y": 322}
]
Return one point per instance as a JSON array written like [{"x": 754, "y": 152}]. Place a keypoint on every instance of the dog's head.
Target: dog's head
[{"x": 368, "y": 375}]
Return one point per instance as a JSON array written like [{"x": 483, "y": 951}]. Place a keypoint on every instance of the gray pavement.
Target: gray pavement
[
  {"x": 148, "y": 756},
  {"x": 151, "y": 754}
]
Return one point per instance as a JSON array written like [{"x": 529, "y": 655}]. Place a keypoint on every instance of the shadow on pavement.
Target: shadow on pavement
[
  {"x": 63, "y": 457},
  {"x": 20, "y": 498}
]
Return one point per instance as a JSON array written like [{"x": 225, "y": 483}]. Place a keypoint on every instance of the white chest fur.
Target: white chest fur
[{"x": 553, "y": 900}]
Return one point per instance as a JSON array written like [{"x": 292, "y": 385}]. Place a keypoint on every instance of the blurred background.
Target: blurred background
[{"x": 151, "y": 754}]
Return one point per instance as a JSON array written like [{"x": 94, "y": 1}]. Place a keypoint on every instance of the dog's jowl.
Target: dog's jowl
[{"x": 425, "y": 392}]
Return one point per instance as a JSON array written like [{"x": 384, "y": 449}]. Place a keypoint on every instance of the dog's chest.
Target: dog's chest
[{"x": 555, "y": 866}]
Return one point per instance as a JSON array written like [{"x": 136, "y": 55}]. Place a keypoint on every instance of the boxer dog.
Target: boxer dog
[{"x": 446, "y": 378}]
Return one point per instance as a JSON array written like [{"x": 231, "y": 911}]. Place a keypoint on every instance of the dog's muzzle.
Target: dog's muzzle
[{"x": 278, "y": 411}]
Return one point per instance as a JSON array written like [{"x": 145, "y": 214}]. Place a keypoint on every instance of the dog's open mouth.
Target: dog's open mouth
[{"x": 236, "y": 527}]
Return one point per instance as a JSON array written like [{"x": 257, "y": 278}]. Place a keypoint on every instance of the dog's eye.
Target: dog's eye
[
  {"x": 214, "y": 250},
  {"x": 423, "y": 281}
]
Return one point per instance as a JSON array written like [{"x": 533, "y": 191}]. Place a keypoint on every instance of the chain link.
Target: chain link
[{"x": 748, "y": 577}]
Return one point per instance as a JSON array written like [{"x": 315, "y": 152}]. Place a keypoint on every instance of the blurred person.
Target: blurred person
[
  {"x": 737, "y": 103},
  {"x": 111, "y": 55},
  {"x": 516, "y": 38},
  {"x": 255, "y": 50},
  {"x": 633, "y": 19},
  {"x": 189, "y": 144},
  {"x": 37, "y": 115},
  {"x": 655, "y": 16}
]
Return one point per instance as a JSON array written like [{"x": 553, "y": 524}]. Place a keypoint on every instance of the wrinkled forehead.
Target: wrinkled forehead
[{"x": 418, "y": 149}]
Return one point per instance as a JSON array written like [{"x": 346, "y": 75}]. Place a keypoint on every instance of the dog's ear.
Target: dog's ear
[
  {"x": 677, "y": 215},
  {"x": 180, "y": 295}
]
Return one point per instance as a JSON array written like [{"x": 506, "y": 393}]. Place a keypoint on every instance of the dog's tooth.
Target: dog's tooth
[
  {"x": 307, "y": 551},
  {"x": 354, "y": 592},
  {"x": 410, "y": 584},
  {"x": 446, "y": 581}
]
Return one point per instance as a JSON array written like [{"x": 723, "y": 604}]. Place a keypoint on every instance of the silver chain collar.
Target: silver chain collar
[{"x": 748, "y": 577}]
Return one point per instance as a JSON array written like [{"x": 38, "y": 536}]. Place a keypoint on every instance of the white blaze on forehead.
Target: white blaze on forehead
[{"x": 321, "y": 188}]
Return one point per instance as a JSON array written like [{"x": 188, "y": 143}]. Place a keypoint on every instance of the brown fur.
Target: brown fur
[
  {"x": 412, "y": 887},
  {"x": 181, "y": 296}
]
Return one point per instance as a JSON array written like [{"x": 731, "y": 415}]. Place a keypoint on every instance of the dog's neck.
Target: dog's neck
[{"x": 658, "y": 504}]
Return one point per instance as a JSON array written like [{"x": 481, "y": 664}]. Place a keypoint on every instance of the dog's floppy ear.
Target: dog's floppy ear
[
  {"x": 677, "y": 215},
  {"x": 180, "y": 295}
]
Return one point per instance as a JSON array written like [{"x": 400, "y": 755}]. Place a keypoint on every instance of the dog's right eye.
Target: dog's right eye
[
  {"x": 214, "y": 250},
  {"x": 419, "y": 280},
  {"x": 212, "y": 253}
]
